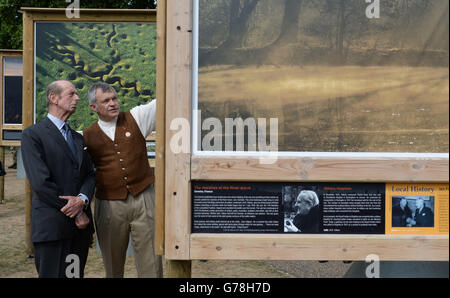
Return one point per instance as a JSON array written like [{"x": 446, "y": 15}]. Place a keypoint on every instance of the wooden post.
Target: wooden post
[
  {"x": 27, "y": 110},
  {"x": 160, "y": 127},
  {"x": 178, "y": 269},
  {"x": 2, "y": 178}
]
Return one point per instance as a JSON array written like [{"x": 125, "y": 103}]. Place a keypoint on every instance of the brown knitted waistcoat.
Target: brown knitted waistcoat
[{"x": 121, "y": 166}]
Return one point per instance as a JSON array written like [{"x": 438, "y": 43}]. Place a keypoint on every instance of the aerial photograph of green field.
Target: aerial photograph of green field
[
  {"x": 120, "y": 54},
  {"x": 336, "y": 79}
]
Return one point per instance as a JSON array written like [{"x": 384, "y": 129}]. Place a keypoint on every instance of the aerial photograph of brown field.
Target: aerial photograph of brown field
[{"x": 337, "y": 80}]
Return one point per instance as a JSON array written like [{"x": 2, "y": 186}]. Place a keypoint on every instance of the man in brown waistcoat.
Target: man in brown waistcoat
[{"x": 124, "y": 182}]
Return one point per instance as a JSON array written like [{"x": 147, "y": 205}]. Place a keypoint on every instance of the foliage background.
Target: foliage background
[{"x": 11, "y": 18}]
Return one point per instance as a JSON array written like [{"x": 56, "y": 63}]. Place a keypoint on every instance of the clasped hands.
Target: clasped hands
[{"x": 73, "y": 207}]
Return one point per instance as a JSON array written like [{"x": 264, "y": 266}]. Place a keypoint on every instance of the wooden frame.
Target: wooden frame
[
  {"x": 182, "y": 168},
  {"x": 7, "y": 53},
  {"x": 32, "y": 15}
]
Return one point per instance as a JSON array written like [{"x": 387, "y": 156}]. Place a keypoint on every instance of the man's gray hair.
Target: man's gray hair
[
  {"x": 309, "y": 196},
  {"x": 55, "y": 88},
  {"x": 92, "y": 93}
]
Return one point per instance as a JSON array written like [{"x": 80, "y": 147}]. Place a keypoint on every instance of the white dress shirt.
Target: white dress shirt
[
  {"x": 59, "y": 124},
  {"x": 145, "y": 116}
]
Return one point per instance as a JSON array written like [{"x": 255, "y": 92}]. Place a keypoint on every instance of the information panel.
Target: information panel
[{"x": 319, "y": 208}]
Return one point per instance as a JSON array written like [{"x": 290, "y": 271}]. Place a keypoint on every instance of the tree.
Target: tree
[
  {"x": 240, "y": 12},
  {"x": 350, "y": 23},
  {"x": 289, "y": 27},
  {"x": 11, "y": 18}
]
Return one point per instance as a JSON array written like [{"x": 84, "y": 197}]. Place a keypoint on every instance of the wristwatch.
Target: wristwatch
[{"x": 85, "y": 201}]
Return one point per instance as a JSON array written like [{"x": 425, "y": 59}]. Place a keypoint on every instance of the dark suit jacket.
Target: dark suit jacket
[
  {"x": 424, "y": 218},
  {"x": 52, "y": 172},
  {"x": 308, "y": 223},
  {"x": 399, "y": 216}
]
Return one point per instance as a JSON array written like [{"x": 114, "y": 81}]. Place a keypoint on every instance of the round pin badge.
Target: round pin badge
[{"x": 127, "y": 134}]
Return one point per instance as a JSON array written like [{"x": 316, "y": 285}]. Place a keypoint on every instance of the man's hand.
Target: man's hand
[
  {"x": 289, "y": 226},
  {"x": 82, "y": 221},
  {"x": 74, "y": 206}
]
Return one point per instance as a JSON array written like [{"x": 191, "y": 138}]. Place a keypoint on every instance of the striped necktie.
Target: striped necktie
[{"x": 69, "y": 139}]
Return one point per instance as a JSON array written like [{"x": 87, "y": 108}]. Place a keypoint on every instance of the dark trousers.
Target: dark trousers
[{"x": 53, "y": 258}]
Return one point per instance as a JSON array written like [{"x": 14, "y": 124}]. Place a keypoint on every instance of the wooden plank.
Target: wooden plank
[
  {"x": 1, "y": 104},
  {"x": 12, "y": 126},
  {"x": 28, "y": 109},
  {"x": 151, "y": 163},
  {"x": 10, "y": 143},
  {"x": 178, "y": 269},
  {"x": 93, "y": 15},
  {"x": 178, "y": 102},
  {"x": 152, "y": 136},
  {"x": 10, "y": 51},
  {"x": 318, "y": 247},
  {"x": 2, "y": 178},
  {"x": 1, "y": 95},
  {"x": 160, "y": 127},
  {"x": 28, "y": 71},
  {"x": 45, "y": 10},
  {"x": 234, "y": 168}
]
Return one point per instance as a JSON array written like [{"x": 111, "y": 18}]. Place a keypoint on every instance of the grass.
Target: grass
[{"x": 336, "y": 109}]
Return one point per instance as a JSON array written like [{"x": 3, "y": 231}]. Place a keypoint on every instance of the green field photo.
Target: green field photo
[{"x": 120, "y": 54}]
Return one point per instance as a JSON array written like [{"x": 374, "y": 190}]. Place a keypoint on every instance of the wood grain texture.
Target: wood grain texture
[
  {"x": 178, "y": 103},
  {"x": 321, "y": 169},
  {"x": 178, "y": 269},
  {"x": 94, "y": 15},
  {"x": 160, "y": 127},
  {"x": 318, "y": 247},
  {"x": 28, "y": 108},
  {"x": 2, "y": 178}
]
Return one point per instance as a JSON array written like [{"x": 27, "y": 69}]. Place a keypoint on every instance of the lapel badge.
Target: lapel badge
[{"x": 128, "y": 134}]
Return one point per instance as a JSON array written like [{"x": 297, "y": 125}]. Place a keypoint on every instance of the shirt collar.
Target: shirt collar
[{"x": 58, "y": 122}]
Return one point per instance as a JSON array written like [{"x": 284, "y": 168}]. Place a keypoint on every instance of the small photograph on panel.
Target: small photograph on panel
[
  {"x": 301, "y": 210},
  {"x": 413, "y": 211}
]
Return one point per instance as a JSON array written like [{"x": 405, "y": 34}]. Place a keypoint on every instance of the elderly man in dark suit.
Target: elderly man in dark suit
[
  {"x": 62, "y": 177},
  {"x": 423, "y": 216}
]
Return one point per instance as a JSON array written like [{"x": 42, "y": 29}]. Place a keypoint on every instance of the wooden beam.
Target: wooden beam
[
  {"x": 235, "y": 168},
  {"x": 160, "y": 127},
  {"x": 45, "y": 10},
  {"x": 92, "y": 15},
  {"x": 178, "y": 103},
  {"x": 1, "y": 96},
  {"x": 178, "y": 269},
  {"x": 318, "y": 247},
  {"x": 2, "y": 178},
  {"x": 28, "y": 109}
]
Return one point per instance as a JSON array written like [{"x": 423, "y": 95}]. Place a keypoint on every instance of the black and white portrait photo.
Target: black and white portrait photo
[
  {"x": 302, "y": 213},
  {"x": 413, "y": 211}
]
